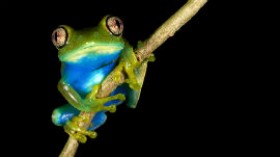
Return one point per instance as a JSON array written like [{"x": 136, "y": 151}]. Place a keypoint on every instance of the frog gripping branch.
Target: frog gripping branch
[
  {"x": 100, "y": 70},
  {"x": 87, "y": 57}
]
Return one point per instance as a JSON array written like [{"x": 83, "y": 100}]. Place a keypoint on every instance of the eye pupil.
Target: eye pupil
[
  {"x": 117, "y": 23},
  {"x": 55, "y": 36}
]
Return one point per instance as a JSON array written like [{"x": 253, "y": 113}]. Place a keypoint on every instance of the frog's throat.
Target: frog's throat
[{"x": 84, "y": 51}]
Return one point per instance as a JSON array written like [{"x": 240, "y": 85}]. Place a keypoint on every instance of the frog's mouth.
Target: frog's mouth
[{"x": 90, "y": 50}]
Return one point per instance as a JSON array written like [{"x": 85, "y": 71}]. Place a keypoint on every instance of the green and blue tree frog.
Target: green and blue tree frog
[{"x": 87, "y": 57}]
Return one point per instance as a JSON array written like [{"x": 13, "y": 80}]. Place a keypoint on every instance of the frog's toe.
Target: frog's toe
[
  {"x": 92, "y": 134},
  {"x": 80, "y": 137},
  {"x": 121, "y": 97},
  {"x": 111, "y": 108},
  {"x": 74, "y": 130},
  {"x": 75, "y": 134},
  {"x": 134, "y": 85}
]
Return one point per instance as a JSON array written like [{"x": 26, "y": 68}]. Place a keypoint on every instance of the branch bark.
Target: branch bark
[{"x": 166, "y": 30}]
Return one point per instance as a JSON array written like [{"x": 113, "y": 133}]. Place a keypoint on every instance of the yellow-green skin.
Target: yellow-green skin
[{"x": 87, "y": 58}]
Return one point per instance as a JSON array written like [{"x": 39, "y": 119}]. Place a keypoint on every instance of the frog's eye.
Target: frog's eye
[
  {"x": 59, "y": 37},
  {"x": 114, "y": 25}
]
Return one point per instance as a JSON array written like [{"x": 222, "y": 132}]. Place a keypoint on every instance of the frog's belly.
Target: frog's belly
[{"x": 83, "y": 81}]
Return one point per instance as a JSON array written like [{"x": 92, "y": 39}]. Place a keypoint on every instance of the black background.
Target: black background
[{"x": 190, "y": 102}]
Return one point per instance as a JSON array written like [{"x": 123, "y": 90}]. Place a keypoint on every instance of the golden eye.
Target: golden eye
[
  {"x": 59, "y": 37},
  {"x": 114, "y": 25}
]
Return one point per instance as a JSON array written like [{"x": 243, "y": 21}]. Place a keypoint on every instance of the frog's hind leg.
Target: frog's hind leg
[
  {"x": 63, "y": 114},
  {"x": 67, "y": 116}
]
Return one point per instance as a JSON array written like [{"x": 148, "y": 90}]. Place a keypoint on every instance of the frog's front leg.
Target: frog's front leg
[
  {"x": 89, "y": 104},
  {"x": 98, "y": 103}
]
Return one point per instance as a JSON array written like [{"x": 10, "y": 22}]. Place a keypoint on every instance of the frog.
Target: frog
[{"x": 87, "y": 57}]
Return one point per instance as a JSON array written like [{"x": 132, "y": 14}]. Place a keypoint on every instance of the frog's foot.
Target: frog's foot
[
  {"x": 111, "y": 108},
  {"x": 74, "y": 129},
  {"x": 98, "y": 103},
  {"x": 132, "y": 80},
  {"x": 151, "y": 58}
]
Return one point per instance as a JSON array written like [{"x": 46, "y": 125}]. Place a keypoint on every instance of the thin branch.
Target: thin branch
[
  {"x": 166, "y": 30},
  {"x": 169, "y": 27},
  {"x": 68, "y": 151}
]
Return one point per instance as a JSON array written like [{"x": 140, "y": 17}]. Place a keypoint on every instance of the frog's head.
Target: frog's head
[{"x": 103, "y": 41}]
